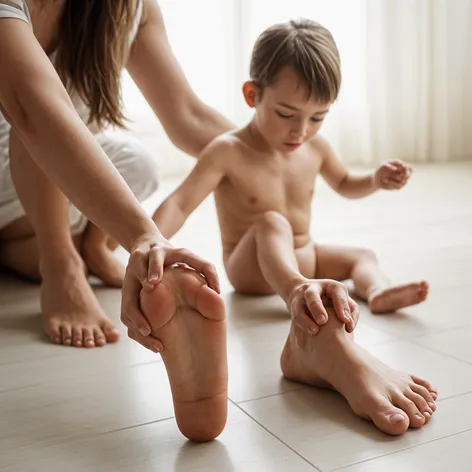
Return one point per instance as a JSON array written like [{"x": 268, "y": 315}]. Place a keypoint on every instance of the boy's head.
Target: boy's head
[{"x": 295, "y": 76}]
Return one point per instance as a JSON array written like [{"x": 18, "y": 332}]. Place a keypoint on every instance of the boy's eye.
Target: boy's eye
[
  {"x": 317, "y": 120},
  {"x": 286, "y": 117}
]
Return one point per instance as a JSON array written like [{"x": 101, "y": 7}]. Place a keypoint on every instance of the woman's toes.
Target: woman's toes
[
  {"x": 111, "y": 333},
  {"x": 89, "y": 340},
  {"x": 417, "y": 419},
  {"x": 425, "y": 384},
  {"x": 66, "y": 334},
  {"x": 77, "y": 337},
  {"x": 389, "y": 419},
  {"x": 100, "y": 339},
  {"x": 424, "y": 392},
  {"x": 419, "y": 401}
]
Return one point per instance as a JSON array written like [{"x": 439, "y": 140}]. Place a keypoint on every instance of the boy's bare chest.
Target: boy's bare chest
[{"x": 278, "y": 186}]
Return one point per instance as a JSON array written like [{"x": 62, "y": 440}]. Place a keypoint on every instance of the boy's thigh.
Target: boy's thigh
[
  {"x": 243, "y": 270},
  {"x": 335, "y": 262}
]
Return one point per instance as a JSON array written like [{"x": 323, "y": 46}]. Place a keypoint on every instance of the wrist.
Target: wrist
[
  {"x": 373, "y": 181},
  {"x": 291, "y": 286}
]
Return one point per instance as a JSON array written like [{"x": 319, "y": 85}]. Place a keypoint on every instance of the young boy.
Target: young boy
[{"x": 263, "y": 177}]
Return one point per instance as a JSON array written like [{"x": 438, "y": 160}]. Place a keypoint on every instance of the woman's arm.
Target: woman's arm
[
  {"x": 189, "y": 122},
  {"x": 34, "y": 101},
  {"x": 39, "y": 109}
]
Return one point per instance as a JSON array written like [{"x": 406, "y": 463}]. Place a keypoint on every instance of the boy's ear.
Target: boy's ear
[{"x": 250, "y": 92}]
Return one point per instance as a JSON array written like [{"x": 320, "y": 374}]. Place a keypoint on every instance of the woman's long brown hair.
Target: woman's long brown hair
[{"x": 94, "y": 41}]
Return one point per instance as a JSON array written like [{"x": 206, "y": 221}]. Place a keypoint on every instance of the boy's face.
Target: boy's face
[{"x": 284, "y": 116}]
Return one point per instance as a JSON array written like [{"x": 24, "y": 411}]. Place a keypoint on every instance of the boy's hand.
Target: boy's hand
[
  {"x": 308, "y": 301},
  {"x": 392, "y": 176}
]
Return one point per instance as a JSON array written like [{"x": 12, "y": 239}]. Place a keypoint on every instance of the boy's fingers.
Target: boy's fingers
[
  {"x": 301, "y": 318},
  {"x": 315, "y": 306},
  {"x": 354, "y": 307},
  {"x": 339, "y": 296}
]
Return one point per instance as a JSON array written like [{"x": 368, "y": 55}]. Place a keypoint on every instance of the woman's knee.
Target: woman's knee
[{"x": 139, "y": 169}]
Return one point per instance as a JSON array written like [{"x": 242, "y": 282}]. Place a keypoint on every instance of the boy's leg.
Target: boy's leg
[
  {"x": 139, "y": 170},
  {"x": 189, "y": 319},
  {"x": 265, "y": 262},
  {"x": 393, "y": 400},
  {"x": 371, "y": 284}
]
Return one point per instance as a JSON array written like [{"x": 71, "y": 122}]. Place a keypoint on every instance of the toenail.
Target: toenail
[
  {"x": 432, "y": 405},
  {"x": 397, "y": 418},
  {"x": 419, "y": 415}
]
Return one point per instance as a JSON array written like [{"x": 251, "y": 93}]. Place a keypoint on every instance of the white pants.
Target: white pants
[{"x": 135, "y": 164}]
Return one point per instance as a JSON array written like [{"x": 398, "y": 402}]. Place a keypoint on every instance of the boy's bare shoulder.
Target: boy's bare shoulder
[
  {"x": 226, "y": 147},
  {"x": 320, "y": 146}
]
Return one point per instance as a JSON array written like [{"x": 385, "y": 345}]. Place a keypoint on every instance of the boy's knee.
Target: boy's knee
[
  {"x": 273, "y": 221},
  {"x": 366, "y": 254}
]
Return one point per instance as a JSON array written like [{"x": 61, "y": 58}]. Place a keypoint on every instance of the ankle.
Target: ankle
[{"x": 60, "y": 263}]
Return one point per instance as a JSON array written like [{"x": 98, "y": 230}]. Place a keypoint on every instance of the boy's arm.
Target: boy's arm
[
  {"x": 390, "y": 176},
  {"x": 339, "y": 178},
  {"x": 204, "y": 178}
]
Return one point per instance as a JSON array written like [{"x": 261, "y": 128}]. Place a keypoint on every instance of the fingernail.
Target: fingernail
[
  {"x": 396, "y": 418},
  {"x": 156, "y": 349},
  {"x": 313, "y": 330},
  {"x": 144, "y": 331},
  {"x": 323, "y": 318},
  {"x": 347, "y": 315}
]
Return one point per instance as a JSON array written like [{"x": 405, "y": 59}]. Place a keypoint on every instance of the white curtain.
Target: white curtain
[{"x": 407, "y": 72}]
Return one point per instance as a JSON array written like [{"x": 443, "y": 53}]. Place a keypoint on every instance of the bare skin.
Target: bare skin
[
  {"x": 263, "y": 177},
  {"x": 71, "y": 313},
  {"x": 189, "y": 319},
  {"x": 393, "y": 400},
  {"x": 41, "y": 115}
]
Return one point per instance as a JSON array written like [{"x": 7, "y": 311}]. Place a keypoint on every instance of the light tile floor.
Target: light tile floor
[{"x": 110, "y": 409}]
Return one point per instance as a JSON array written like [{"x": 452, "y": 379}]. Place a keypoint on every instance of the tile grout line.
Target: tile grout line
[
  {"x": 275, "y": 437},
  {"x": 136, "y": 426},
  {"x": 242, "y": 402},
  {"x": 401, "y": 450}
]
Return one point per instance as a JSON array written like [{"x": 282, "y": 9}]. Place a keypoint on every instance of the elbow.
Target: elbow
[{"x": 26, "y": 105}]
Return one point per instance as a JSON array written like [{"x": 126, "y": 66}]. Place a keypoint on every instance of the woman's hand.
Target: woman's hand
[{"x": 149, "y": 256}]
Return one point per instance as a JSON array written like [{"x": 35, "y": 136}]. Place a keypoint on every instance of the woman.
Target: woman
[{"x": 60, "y": 64}]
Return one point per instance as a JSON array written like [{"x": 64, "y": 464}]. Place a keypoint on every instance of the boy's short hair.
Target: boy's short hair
[{"x": 306, "y": 47}]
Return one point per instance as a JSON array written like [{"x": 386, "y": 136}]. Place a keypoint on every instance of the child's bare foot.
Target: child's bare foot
[
  {"x": 398, "y": 297},
  {"x": 72, "y": 315},
  {"x": 189, "y": 318},
  {"x": 101, "y": 261},
  {"x": 393, "y": 400}
]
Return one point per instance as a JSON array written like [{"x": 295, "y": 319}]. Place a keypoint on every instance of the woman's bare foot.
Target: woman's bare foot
[
  {"x": 189, "y": 318},
  {"x": 393, "y": 400},
  {"x": 401, "y": 296},
  {"x": 98, "y": 256},
  {"x": 72, "y": 315}
]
